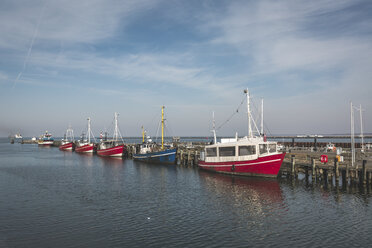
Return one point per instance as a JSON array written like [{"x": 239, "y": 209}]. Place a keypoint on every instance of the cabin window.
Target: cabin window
[
  {"x": 263, "y": 148},
  {"x": 211, "y": 152},
  {"x": 272, "y": 147},
  {"x": 227, "y": 151},
  {"x": 247, "y": 150}
]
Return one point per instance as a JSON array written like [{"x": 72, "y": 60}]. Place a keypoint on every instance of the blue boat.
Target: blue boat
[
  {"x": 151, "y": 152},
  {"x": 167, "y": 156}
]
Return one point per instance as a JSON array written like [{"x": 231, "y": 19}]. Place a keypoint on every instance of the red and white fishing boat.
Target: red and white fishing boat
[
  {"x": 67, "y": 143},
  {"x": 85, "y": 145},
  {"x": 45, "y": 139},
  {"x": 249, "y": 156},
  {"x": 112, "y": 148}
]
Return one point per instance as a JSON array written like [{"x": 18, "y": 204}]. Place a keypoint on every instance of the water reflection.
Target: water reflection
[
  {"x": 256, "y": 196},
  {"x": 86, "y": 158},
  {"x": 111, "y": 161}
]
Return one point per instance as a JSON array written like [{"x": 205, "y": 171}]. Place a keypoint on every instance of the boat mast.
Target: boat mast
[
  {"x": 361, "y": 127},
  {"x": 250, "y": 134},
  {"x": 88, "y": 130},
  {"x": 352, "y": 134},
  {"x": 262, "y": 116},
  {"x": 162, "y": 127},
  {"x": 70, "y": 133},
  {"x": 116, "y": 127},
  {"x": 143, "y": 135},
  {"x": 214, "y": 130}
]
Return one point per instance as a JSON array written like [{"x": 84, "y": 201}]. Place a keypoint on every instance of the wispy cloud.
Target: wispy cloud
[{"x": 67, "y": 21}]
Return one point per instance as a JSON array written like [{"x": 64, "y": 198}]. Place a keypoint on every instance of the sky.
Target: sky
[{"x": 64, "y": 61}]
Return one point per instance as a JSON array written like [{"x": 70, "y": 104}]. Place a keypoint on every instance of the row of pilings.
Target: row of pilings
[{"x": 332, "y": 172}]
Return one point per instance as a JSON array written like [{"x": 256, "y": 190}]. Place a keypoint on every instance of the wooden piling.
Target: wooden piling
[
  {"x": 313, "y": 168},
  {"x": 293, "y": 164},
  {"x": 181, "y": 158},
  {"x": 337, "y": 172},
  {"x": 189, "y": 158},
  {"x": 364, "y": 172},
  {"x": 196, "y": 160}
]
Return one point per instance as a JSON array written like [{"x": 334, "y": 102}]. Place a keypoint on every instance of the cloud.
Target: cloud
[
  {"x": 3, "y": 76},
  {"x": 65, "y": 21}
]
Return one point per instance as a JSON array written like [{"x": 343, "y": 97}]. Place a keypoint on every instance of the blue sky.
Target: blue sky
[{"x": 64, "y": 61}]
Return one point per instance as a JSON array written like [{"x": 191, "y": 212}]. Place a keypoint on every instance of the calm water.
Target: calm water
[{"x": 50, "y": 198}]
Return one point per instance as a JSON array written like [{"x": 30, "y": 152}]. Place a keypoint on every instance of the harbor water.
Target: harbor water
[{"x": 50, "y": 198}]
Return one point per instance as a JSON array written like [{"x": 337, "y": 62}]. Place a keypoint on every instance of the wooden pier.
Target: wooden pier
[{"x": 304, "y": 160}]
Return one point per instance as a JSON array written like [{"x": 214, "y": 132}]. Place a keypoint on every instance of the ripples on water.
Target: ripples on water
[{"x": 51, "y": 198}]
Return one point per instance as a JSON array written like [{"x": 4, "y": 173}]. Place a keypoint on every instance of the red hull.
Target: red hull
[
  {"x": 84, "y": 148},
  {"x": 66, "y": 147},
  {"x": 116, "y": 151},
  {"x": 268, "y": 166}
]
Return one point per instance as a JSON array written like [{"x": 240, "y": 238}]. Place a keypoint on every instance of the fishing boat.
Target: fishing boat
[
  {"x": 112, "y": 148},
  {"x": 67, "y": 143},
  {"x": 18, "y": 136},
  {"x": 151, "y": 152},
  {"x": 249, "y": 156},
  {"x": 45, "y": 139},
  {"x": 85, "y": 145}
]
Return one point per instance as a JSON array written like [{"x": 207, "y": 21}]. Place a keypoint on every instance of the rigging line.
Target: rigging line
[
  {"x": 157, "y": 132},
  {"x": 235, "y": 112}
]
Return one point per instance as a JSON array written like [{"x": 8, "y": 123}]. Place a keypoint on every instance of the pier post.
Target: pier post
[
  {"x": 337, "y": 172},
  {"x": 181, "y": 158},
  {"x": 293, "y": 142},
  {"x": 196, "y": 158},
  {"x": 315, "y": 145},
  {"x": 293, "y": 165},
  {"x": 189, "y": 158},
  {"x": 364, "y": 172},
  {"x": 313, "y": 168}
]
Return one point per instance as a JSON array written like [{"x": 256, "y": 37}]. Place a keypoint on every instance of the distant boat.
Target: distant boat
[
  {"x": 85, "y": 145},
  {"x": 112, "y": 148},
  {"x": 67, "y": 143},
  {"x": 151, "y": 152},
  {"x": 45, "y": 139},
  {"x": 18, "y": 136},
  {"x": 249, "y": 156}
]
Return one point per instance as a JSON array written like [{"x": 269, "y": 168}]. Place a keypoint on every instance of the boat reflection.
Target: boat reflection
[
  {"x": 257, "y": 196},
  {"x": 111, "y": 161},
  {"x": 86, "y": 158}
]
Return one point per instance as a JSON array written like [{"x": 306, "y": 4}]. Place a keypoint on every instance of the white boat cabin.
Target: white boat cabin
[{"x": 239, "y": 150}]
